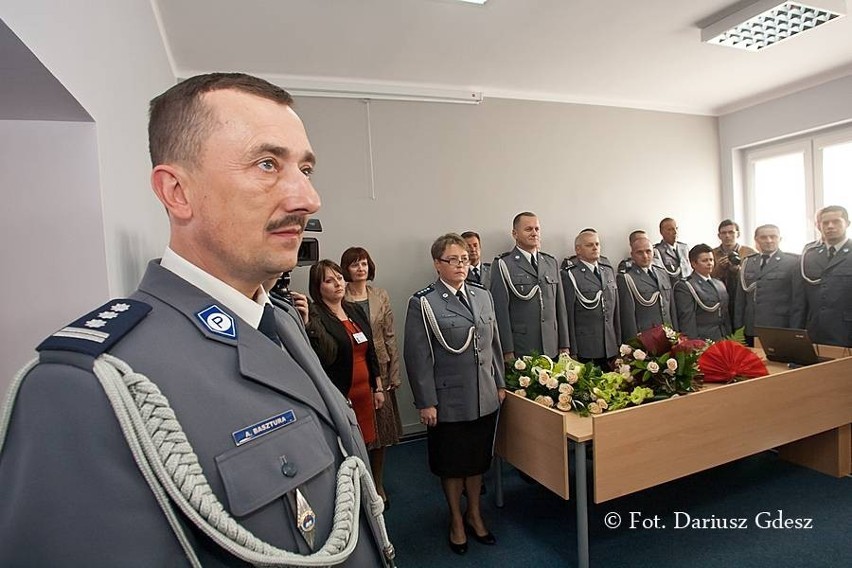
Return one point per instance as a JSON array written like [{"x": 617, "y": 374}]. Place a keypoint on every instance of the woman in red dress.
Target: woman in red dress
[{"x": 342, "y": 338}]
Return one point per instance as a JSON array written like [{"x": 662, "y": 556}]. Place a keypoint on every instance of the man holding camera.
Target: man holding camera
[{"x": 728, "y": 257}]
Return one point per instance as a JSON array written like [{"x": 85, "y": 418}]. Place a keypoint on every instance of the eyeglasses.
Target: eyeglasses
[{"x": 455, "y": 261}]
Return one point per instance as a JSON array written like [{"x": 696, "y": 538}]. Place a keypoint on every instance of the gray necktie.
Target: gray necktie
[
  {"x": 534, "y": 262},
  {"x": 831, "y": 252},
  {"x": 463, "y": 300},
  {"x": 764, "y": 259},
  {"x": 267, "y": 325}
]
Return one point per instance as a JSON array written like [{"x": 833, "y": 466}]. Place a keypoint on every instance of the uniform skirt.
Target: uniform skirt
[{"x": 462, "y": 449}]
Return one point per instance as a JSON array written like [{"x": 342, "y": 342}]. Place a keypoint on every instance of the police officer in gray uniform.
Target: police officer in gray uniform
[
  {"x": 702, "y": 301},
  {"x": 827, "y": 271},
  {"x": 592, "y": 301},
  {"x": 479, "y": 272},
  {"x": 528, "y": 295},
  {"x": 455, "y": 366},
  {"x": 670, "y": 253},
  {"x": 768, "y": 286},
  {"x": 645, "y": 294},
  {"x": 250, "y": 401}
]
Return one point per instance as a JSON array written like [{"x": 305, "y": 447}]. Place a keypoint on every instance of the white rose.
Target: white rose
[
  {"x": 625, "y": 350},
  {"x": 672, "y": 364},
  {"x": 639, "y": 355},
  {"x": 565, "y": 388},
  {"x": 544, "y": 401},
  {"x": 594, "y": 408},
  {"x": 572, "y": 377},
  {"x": 624, "y": 371},
  {"x": 564, "y": 407},
  {"x": 521, "y": 392},
  {"x": 653, "y": 367},
  {"x": 552, "y": 383},
  {"x": 524, "y": 381},
  {"x": 565, "y": 398},
  {"x": 520, "y": 365}
]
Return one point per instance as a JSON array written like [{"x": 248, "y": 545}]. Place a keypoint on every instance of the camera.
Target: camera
[
  {"x": 734, "y": 258},
  {"x": 308, "y": 254}
]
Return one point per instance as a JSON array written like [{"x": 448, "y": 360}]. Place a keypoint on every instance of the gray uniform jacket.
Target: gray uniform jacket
[
  {"x": 539, "y": 324},
  {"x": 828, "y": 297},
  {"x": 773, "y": 298},
  {"x": 673, "y": 259},
  {"x": 71, "y": 492},
  {"x": 695, "y": 321},
  {"x": 462, "y": 386},
  {"x": 594, "y": 327},
  {"x": 484, "y": 275},
  {"x": 636, "y": 317}
]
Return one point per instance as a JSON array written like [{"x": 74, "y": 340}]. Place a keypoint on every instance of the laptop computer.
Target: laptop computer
[{"x": 784, "y": 345}]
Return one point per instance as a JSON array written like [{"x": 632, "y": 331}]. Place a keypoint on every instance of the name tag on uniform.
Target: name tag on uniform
[
  {"x": 271, "y": 424},
  {"x": 359, "y": 337}
]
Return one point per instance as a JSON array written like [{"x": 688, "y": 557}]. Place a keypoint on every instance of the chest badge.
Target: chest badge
[{"x": 218, "y": 321}]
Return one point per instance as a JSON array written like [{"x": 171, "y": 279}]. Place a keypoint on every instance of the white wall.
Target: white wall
[
  {"x": 819, "y": 107},
  {"x": 51, "y": 233},
  {"x": 110, "y": 56},
  {"x": 443, "y": 167}
]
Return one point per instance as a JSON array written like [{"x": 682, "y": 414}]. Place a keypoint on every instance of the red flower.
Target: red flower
[
  {"x": 654, "y": 341},
  {"x": 687, "y": 345}
]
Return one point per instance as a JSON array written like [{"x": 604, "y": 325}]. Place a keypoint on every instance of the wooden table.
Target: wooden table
[{"x": 806, "y": 413}]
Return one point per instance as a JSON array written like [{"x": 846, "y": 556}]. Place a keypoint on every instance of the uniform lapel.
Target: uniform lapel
[
  {"x": 522, "y": 262},
  {"x": 842, "y": 252},
  {"x": 473, "y": 298},
  {"x": 772, "y": 263},
  {"x": 453, "y": 304}
]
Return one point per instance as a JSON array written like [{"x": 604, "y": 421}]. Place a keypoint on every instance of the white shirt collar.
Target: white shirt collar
[
  {"x": 452, "y": 288},
  {"x": 248, "y": 310},
  {"x": 527, "y": 255},
  {"x": 592, "y": 265}
]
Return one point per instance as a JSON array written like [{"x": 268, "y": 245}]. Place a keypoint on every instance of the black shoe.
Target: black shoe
[
  {"x": 487, "y": 538},
  {"x": 457, "y": 548}
]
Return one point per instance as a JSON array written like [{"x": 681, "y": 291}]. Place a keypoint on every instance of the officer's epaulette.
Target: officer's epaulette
[
  {"x": 756, "y": 254},
  {"x": 605, "y": 261},
  {"x": 474, "y": 284},
  {"x": 504, "y": 254},
  {"x": 567, "y": 263},
  {"x": 626, "y": 265},
  {"x": 424, "y": 291},
  {"x": 486, "y": 264},
  {"x": 542, "y": 253},
  {"x": 96, "y": 332}
]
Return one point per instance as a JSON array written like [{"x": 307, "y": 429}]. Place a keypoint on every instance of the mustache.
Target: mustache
[{"x": 287, "y": 221}]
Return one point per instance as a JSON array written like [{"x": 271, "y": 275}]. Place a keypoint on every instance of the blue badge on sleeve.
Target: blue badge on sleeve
[
  {"x": 263, "y": 427},
  {"x": 96, "y": 332},
  {"x": 218, "y": 321}
]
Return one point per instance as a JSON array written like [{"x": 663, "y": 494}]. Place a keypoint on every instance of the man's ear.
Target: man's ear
[{"x": 168, "y": 183}]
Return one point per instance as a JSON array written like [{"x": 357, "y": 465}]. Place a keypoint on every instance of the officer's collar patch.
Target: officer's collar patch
[
  {"x": 96, "y": 332},
  {"x": 218, "y": 321}
]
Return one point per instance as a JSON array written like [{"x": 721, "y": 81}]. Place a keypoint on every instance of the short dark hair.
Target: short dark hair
[
  {"x": 442, "y": 242},
  {"x": 517, "y": 218},
  {"x": 471, "y": 235},
  {"x": 634, "y": 234},
  {"x": 726, "y": 223},
  {"x": 766, "y": 226},
  {"x": 833, "y": 209},
  {"x": 317, "y": 275},
  {"x": 179, "y": 121},
  {"x": 353, "y": 255},
  {"x": 697, "y": 250}
]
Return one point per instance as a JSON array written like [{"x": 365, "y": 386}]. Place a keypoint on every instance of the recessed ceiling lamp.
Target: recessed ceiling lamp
[{"x": 767, "y": 22}]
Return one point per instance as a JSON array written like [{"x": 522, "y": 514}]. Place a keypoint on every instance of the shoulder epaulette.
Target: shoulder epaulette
[
  {"x": 475, "y": 284},
  {"x": 605, "y": 261},
  {"x": 751, "y": 255},
  {"x": 424, "y": 291},
  {"x": 566, "y": 264},
  {"x": 546, "y": 254},
  {"x": 488, "y": 264},
  {"x": 96, "y": 332},
  {"x": 503, "y": 254},
  {"x": 626, "y": 265}
]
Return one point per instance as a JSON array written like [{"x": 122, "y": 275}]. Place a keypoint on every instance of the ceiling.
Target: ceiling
[{"x": 608, "y": 52}]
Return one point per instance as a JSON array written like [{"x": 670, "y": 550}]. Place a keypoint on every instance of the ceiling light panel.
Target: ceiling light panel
[{"x": 768, "y": 22}]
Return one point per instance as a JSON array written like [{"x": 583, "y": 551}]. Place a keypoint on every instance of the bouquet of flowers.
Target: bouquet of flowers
[
  {"x": 663, "y": 360},
  {"x": 568, "y": 385}
]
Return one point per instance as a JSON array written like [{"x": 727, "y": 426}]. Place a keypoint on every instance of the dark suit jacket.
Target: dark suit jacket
[
  {"x": 65, "y": 458},
  {"x": 333, "y": 344},
  {"x": 695, "y": 321},
  {"x": 828, "y": 300},
  {"x": 774, "y": 299}
]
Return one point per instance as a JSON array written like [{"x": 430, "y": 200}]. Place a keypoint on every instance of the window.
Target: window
[{"x": 787, "y": 183}]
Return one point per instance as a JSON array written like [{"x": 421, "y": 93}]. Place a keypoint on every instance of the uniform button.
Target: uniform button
[{"x": 289, "y": 469}]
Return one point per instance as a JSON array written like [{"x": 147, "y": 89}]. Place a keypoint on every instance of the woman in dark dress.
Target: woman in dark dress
[
  {"x": 455, "y": 366},
  {"x": 343, "y": 340}
]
